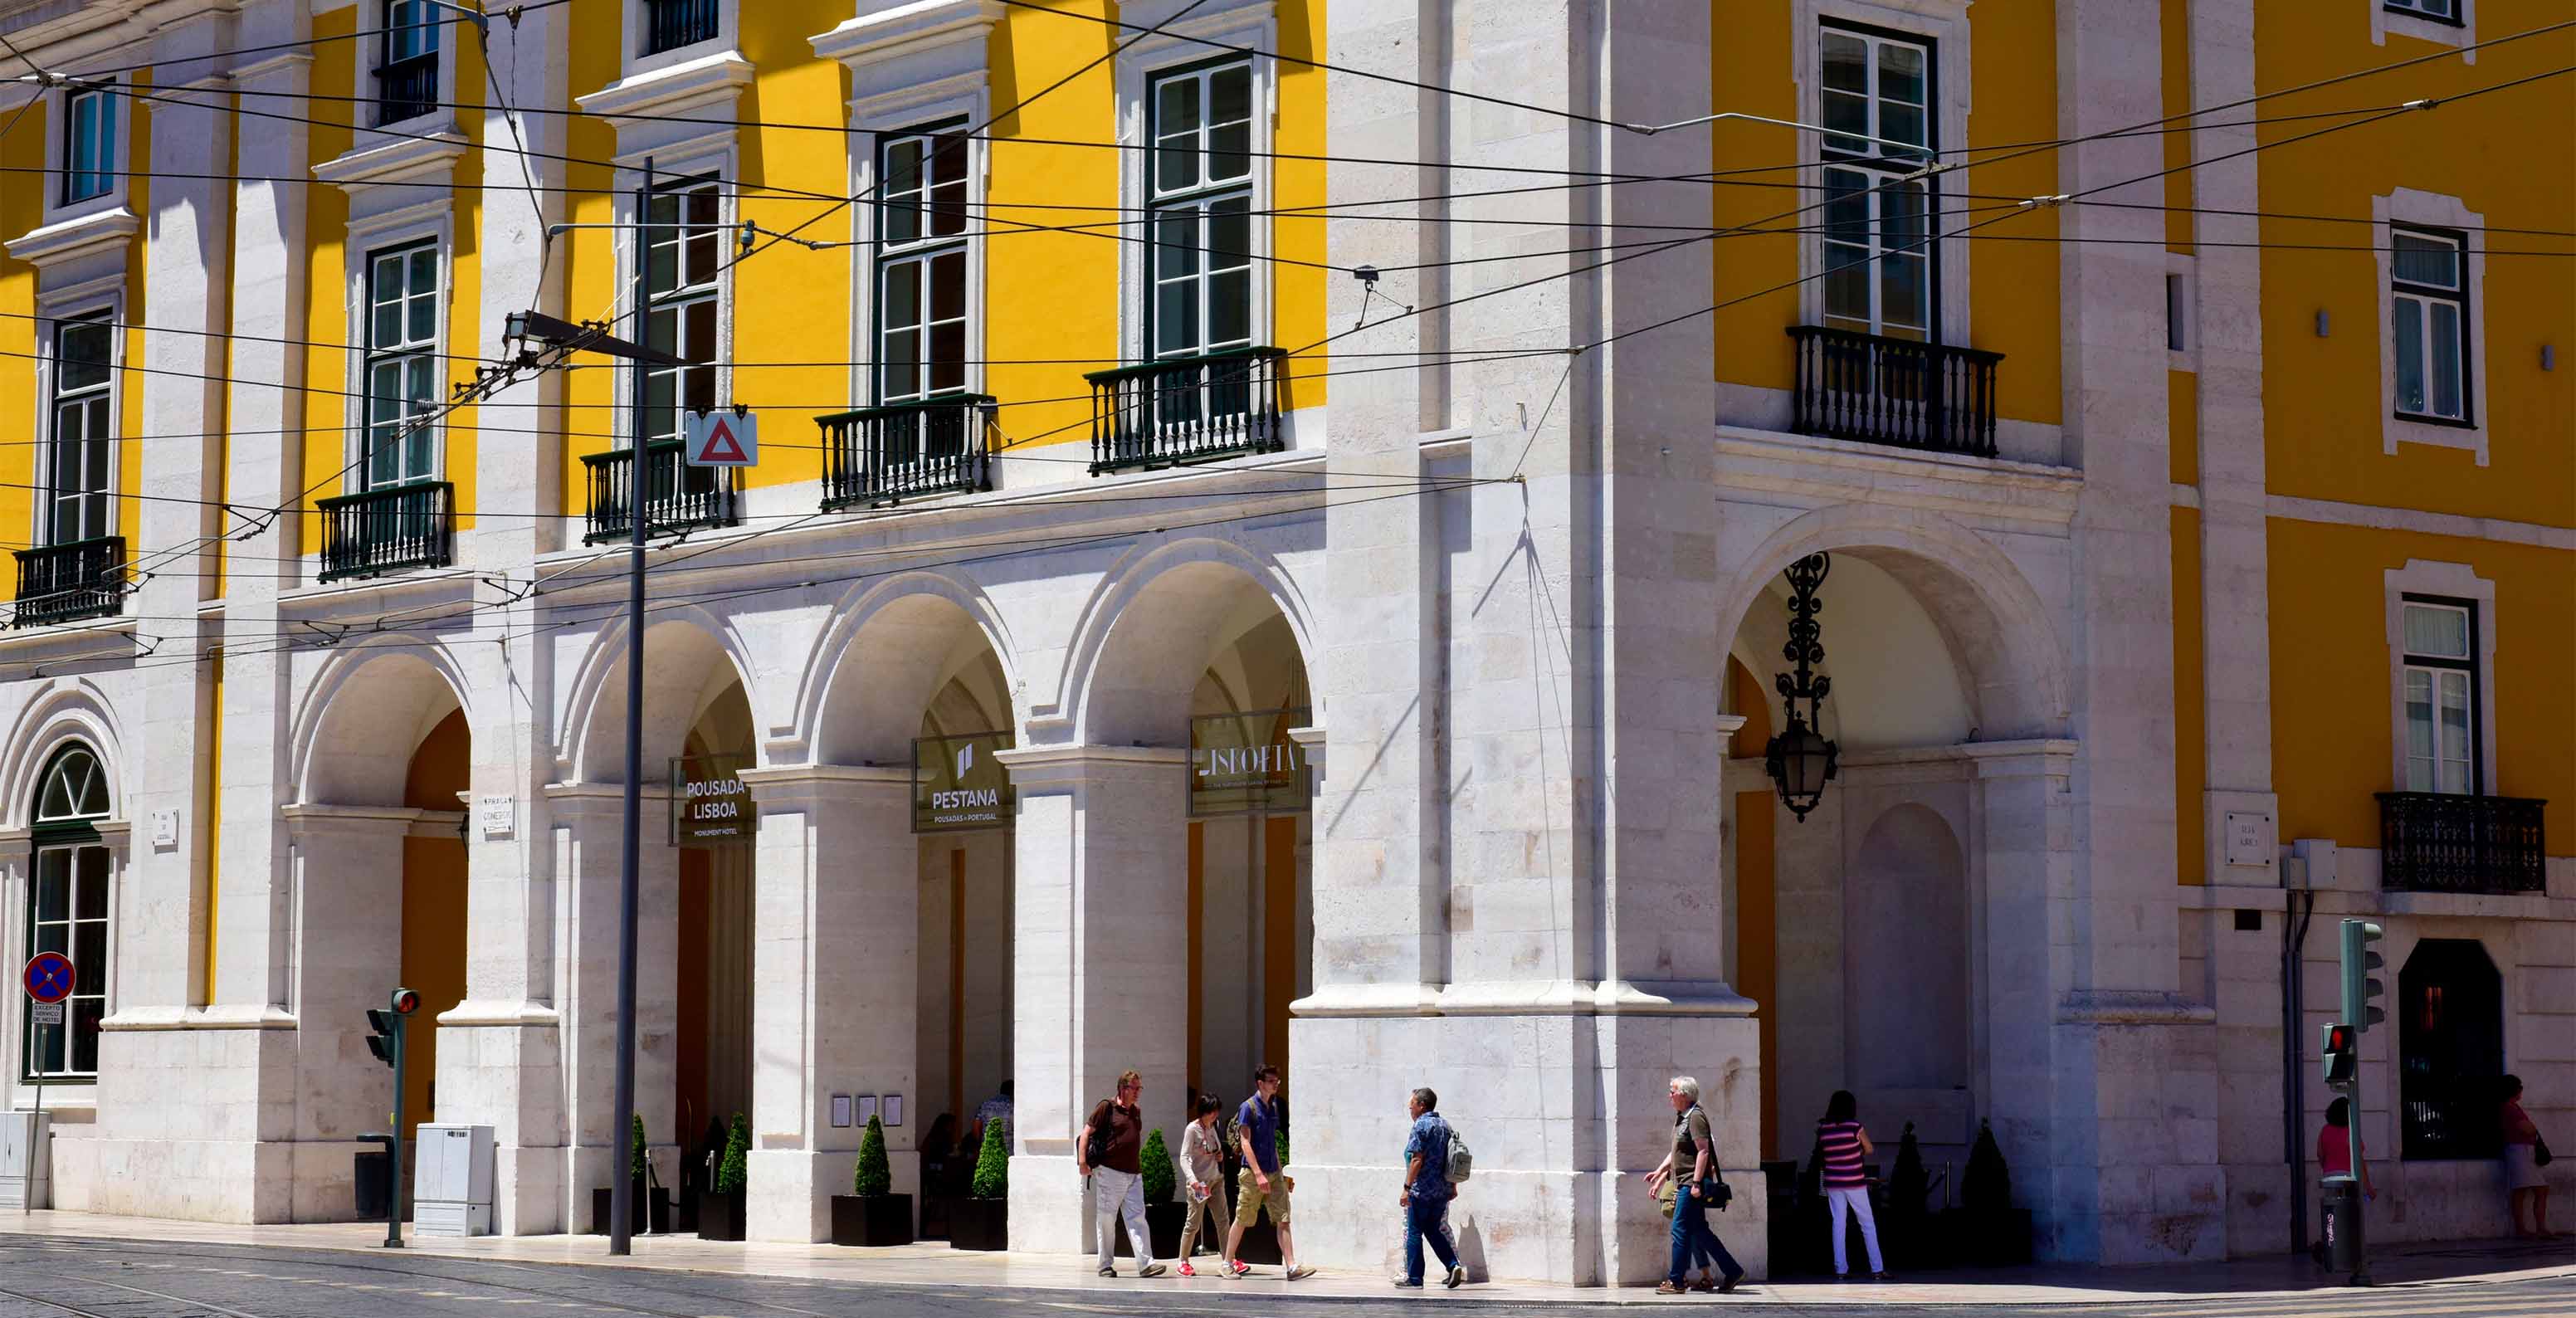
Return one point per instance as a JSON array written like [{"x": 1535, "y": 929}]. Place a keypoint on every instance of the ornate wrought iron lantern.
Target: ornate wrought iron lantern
[{"x": 1800, "y": 759}]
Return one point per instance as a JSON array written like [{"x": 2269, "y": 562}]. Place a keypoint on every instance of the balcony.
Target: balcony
[
  {"x": 1897, "y": 392},
  {"x": 671, "y": 24},
  {"x": 1186, "y": 409},
  {"x": 72, "y": 580},
  {"x": 678, "y": 498},
  {"x": 882, "y": 455},
  {"x": 2450, "y": 842},
  {"x": 388, "y": 530},
  {"x": 406, "y": 89}
]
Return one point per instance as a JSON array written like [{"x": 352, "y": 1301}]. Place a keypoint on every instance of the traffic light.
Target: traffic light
[
  {"x": 387, "y": 1021},
  {"x": 2359, "y": 984},
  {"x": 2341, "y": 1054}
]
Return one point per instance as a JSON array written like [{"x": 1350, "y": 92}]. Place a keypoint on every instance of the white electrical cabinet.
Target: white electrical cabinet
[
  {"x": 26, "y": 1160},
  {"x": 452, "y": 1172}
]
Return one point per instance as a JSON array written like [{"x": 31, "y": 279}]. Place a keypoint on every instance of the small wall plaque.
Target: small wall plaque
[
  {"x": 165, "y": 829},
  {"x": 499, "y": 815},
  {"x": 2249, "y": 839},
  {"x": 841, "y": 1110},
  {"x": 891, "y": 1106}
]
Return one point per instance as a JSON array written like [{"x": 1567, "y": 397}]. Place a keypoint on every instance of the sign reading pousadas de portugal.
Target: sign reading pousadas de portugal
[
  {"x": 1243, "y": 763},
  {"x": 710, "y": 804},
  {"x": 959, "y": 784}
]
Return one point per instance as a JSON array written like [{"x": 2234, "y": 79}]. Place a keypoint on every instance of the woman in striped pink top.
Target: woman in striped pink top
[{"x": 1845, "y": 1144}]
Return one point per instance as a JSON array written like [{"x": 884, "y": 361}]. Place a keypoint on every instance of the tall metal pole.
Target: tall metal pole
[
  {"x": 621, "y": 1190},
  {"x": 394, "y": 1146}
]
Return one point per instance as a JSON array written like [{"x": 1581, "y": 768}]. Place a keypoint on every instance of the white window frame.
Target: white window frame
[
  {"x": 922, "y": 250},
  {"x": 441, "y": 116},
  {"x": 2412, "y": 302},
  {"x": 108, "y": 842},
  {"x": 2436, "y": 672},
  {"x": 633, "y": 60},
  {"x": 962, "y": 99},
  {"x": 57, "y": 159},
  {"x": 714, "y": 290},
  {"x": 2443, "y": 581},
  {"x": 1247, "y": 23},
  {"x": 98, "y": 398},
  {"x": 433, "y": 222},
  {"x": 713, "y": 158},
  {"x": 373, "y": 353},
  {"x": 2406, "y": 208},
  {"x": 2386, "y": 18},
  {"x": 1199, "y": 200},
  {"x": 104, "y": 295},
  {"x": 1943, "y": 25}
]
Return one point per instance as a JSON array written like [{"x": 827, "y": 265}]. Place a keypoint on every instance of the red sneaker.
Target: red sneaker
[{"x": 1187, "y": 1271}]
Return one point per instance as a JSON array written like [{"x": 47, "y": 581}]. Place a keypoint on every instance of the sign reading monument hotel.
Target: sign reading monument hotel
[
  {"x": 1247, "y": 763},
  {"x": 710, "y": 804},
  {"x": 959, "y": 784}
]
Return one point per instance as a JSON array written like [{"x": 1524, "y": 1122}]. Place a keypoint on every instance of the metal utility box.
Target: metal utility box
[
  {"x": 26, "y": 1160},
  {"x": 452, "y": 1172}
]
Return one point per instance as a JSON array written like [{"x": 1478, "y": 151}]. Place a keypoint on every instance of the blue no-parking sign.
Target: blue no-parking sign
[{"x": 49, "y": 977}]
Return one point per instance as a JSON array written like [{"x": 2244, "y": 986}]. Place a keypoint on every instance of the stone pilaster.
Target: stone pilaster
[{"x": 588, "y": 857}]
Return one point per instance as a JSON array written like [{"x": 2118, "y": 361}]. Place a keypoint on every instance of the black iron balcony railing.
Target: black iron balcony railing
[
  {"x": 387, "y": 530},
  {"x": 406, "y": 89},
  {"x": 75, "y": 579},
  {"x": 880, "y": 455},
  {"x": 1187, "y": 409},
  {"x": 2451, "y": 842},
  {"x": 677, "y": 497},
  {"x": 1894, "y": 391},
  {"x": 671, "y": 24}
]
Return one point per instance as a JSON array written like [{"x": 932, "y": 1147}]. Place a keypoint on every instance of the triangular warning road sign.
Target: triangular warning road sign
[{"x": 721, "y": 446}]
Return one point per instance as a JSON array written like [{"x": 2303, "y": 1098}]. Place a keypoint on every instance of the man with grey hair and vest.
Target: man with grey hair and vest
[{"x": 1689, "y": 1175}]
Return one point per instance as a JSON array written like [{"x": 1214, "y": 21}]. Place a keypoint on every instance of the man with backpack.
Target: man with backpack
[
  {"x": 1108, "y": 1151},
  {"x": 1435, "y": 1161}
]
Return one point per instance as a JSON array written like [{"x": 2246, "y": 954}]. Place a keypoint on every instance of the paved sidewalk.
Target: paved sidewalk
[{"x": 2449, "y": 1266}]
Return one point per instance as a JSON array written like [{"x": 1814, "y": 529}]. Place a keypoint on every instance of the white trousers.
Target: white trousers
[
  {"x": 1119, "y": 1194},
  {"x": 1856, "y": 1203}
]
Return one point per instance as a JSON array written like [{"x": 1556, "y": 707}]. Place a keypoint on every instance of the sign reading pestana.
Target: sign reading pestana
[
  {"x": 1247, "y": 763},
  {"x": 710, "y": 804},
  {"x": 959, "y": 784}
]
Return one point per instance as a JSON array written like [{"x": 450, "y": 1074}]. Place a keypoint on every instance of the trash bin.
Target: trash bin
[
  {"x": 374, "y": 1177},
  {"x": 2341, "y": 1227}
]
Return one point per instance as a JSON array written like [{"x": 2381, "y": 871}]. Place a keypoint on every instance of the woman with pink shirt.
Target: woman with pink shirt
[{"x": 2523, "y": 1181}]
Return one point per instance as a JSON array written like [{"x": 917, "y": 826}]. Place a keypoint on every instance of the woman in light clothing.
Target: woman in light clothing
[
  {"x": 2523, "y": 1180},
  {"x": 1202, "y": 1180},
  {"x": 1846, "y": 1184}
]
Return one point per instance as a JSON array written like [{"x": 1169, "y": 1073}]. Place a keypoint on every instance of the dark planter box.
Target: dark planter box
[
  {"x": 720, "y": 1216},
  {"x": 983, "y": 1224},
  {"x": 1992, "y": 1239},
  {"x": 646, "y": 1209},
  {"x": 935, "y": 1209},
  {"x": 1164, "y": 1222},
  {"x": 876, "y": 1219}
]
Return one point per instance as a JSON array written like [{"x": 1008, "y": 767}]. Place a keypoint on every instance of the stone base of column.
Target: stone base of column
[
  {"x": 2136, "y": 1177},
  {"x": 1050, "y": 1204},
  {"x": 190, "y": 1180},
  {"x": 503, "y": 1062},
  {"x": 1559, "y": 1189},
  {"x": 792, "y": 1190}
]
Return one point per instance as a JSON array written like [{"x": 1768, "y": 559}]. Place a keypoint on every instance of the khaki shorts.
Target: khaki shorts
[{"x": 1249, "y": 1199}]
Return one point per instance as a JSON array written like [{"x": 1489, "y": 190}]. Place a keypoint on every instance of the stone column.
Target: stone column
[
  {"x": 588, "y": 851},
  {"x": 1101, "y": 899},
  {"x": 345, "y": 877},
  {"x": 835, "y": 917}
]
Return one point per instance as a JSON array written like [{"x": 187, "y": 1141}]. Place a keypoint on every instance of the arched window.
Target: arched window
[
  {"x": 2450, "y": 1050},
  {"x": 67, "y": 911}
]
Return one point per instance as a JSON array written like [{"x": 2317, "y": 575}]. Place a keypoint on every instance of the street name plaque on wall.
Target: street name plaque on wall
[
  {"x": 1246, "y": 763},
  {"x": 959, "y": 784},
  {"x": 710, "y": 804}
]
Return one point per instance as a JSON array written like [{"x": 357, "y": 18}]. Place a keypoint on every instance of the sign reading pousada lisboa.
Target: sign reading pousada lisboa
[
  {"x": 959, "y": 784},
  {"x": 710, "y": 804},
  {"x": 1246, "y": 763}
]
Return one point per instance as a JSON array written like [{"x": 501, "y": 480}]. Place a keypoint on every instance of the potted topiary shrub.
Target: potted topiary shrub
[
  {"x": 1163, "y": 1217},
  {"x": 982, "y": 1220},
  {"x": 1994, "y": 1233},
  {"x": 720, "y": 1212},
  {"x": 1906, "y": 1225},
  {"x": 648, "y": 1203},
  {"x": 872, "y": 1213}
]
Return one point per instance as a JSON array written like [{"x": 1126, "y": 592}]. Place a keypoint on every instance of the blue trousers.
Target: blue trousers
[
  {"x": 1426, "y": 1218},
  {"x": 1692, "y": 1239}
]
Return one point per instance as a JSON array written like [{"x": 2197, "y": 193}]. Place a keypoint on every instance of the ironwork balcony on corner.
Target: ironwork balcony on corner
[
  {"x": 1187, "y": 409},
  {"x": 2452, "y": 842},
  {"x": 72, "y": 580},
  {"x": 880, "y": 455},
  {"x": 678, "y": 498},
  {"x": 1898, "y": 392},
  {"x": 406, "y": 89},
  {"x": 671, "y": 24},
  {"x": 374, "y": 532}
]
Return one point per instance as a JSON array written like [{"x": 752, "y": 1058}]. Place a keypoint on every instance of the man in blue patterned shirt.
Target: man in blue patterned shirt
[{"x": 1427, "y": 1192}]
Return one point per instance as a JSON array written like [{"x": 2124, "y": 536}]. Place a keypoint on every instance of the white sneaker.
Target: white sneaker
[{"x": 1457, "y": 1278}]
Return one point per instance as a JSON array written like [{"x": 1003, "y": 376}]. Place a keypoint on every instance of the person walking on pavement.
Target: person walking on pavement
[
  {"x": 1203, "y": 1181},
  {"x": 1259, "y": 1185},
  {"x": 1427, "y": 1192},
  {"x": 2523, "y": 1180},
  {"x": 1846, "y": 1184},
  {"x": 1108, "y": 1151},
  {"x": 1689, "y": 1169}
]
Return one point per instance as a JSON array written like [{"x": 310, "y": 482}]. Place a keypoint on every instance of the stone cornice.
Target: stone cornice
[
  {"x": 398, "y": 160},
  {"x": 907, "y": 29},
  {"x": 679, "y": 89},
  {"x": 1990, "y": 490},
  {"x": 69, "y": 240},
  {"x": 1063, "y": 767}
]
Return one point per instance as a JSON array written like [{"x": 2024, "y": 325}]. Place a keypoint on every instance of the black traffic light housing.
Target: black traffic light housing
[
  {"x": 2360, "y": 985},
  {"x": 2341, "y": 1053},
  {"x": 387, "y": 1022}
]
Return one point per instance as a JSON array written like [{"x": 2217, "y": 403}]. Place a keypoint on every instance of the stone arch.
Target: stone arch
[
  {"x": 354, "y": 732},
  {"x": 1146, "y": 636},
  {"x": 889, "y": 651},
  {"x": 687, "y": 654},
  {"x": 2004, "y": 636},
  {"x": 64, "y": 710}
]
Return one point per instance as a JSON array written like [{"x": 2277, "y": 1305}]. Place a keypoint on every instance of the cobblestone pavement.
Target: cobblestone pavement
[{"x": 89, "y": 1277}]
